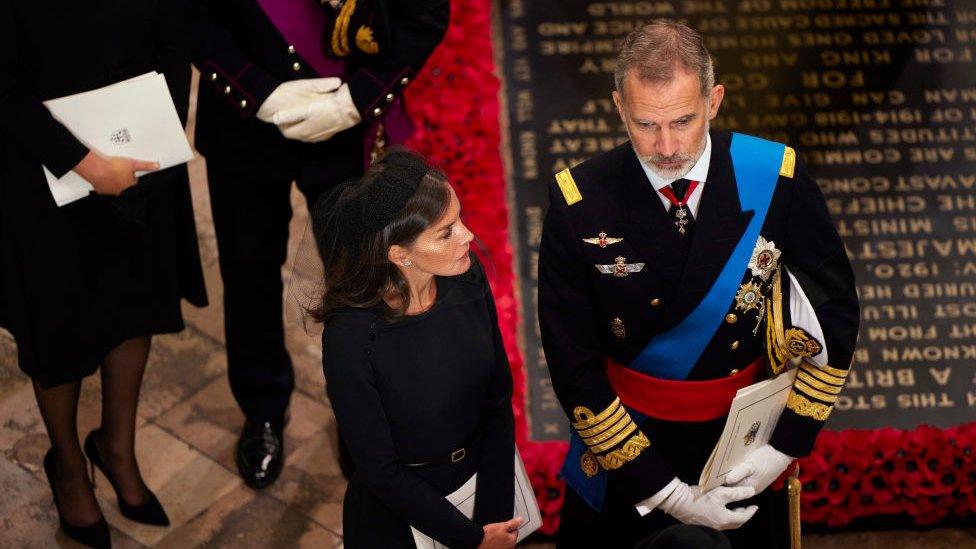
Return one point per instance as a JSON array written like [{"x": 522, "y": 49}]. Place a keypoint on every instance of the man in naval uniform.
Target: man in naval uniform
[
  {"x": 290, "y": 90},
  {"x": 673, "y": 271}
]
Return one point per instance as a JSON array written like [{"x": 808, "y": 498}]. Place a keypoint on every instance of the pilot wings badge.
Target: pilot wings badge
[
  {"x": 620, "y": 267},
  {"x": 602, "y": 240}
]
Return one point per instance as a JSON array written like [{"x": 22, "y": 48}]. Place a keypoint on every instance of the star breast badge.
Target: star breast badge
[{"x": 765, "y": 259}]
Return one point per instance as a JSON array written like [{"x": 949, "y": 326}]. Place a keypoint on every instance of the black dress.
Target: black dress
[
  {"x": 78, "y": 280},
  {"x": 413, "y": 391}
]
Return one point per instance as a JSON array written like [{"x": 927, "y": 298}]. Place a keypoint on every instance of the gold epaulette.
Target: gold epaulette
[
  {"x": 611, "y": 436},
  {"x": 568, "y": 186},
  {"x": 789, "y": 163}
]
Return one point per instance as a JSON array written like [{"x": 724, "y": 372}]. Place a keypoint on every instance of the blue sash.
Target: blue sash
[{"x": 671, "y": 355}]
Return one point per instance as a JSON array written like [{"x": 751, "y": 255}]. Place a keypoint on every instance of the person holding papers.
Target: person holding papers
[
  {"x": 675, "y": 270},
  {"x": 415, "y": 366},
  {"x": 86, "y": 285},
  {"x": 290, "y": 90}
]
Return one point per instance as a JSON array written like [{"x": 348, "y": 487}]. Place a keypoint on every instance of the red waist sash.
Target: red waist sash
[{"x": 674, "y": 400}]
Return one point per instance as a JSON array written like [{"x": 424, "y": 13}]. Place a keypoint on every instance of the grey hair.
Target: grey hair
[{"x": 657, "y": 48}]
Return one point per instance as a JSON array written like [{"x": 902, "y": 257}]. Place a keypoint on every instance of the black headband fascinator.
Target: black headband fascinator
[{"x": 359, "y": 208}]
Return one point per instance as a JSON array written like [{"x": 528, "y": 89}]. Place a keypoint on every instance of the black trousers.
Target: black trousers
[
  {"x": 251, "y": 219},
  {"x": 620, "y": 525}
]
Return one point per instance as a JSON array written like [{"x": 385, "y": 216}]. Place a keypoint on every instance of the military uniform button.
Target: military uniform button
[
  {"x": 735, "y": 344},
  {"x": 296, "y": 66},
  {"x": 291, "y": 49},
  {"x": 377, "y": 111},
  {"x": 655, "y": 302},
  {"x": 389, "y": 98},
  {"x": 243, "y": 103},
  {"x": 404, "y": 81},
  {"x": 733, "y": 371},
  {"x": 731, "y": 318},
  {"x": 213, "y": 77},
  {"x": 226, "y": 90}
]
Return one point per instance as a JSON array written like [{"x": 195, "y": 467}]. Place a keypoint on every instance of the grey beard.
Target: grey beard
[{"x": 678, "y": 173}]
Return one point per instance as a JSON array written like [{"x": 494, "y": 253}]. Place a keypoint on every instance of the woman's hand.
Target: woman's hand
[
  {"x": 501, "y": 535},
  {"x": 112, "y": 174}
]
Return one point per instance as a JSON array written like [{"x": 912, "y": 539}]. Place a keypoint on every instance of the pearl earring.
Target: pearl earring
[{"x": 407, "y": 263}]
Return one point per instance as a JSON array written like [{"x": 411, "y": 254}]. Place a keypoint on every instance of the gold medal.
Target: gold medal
[
  {"x": 618, "y": 328},
  {"x": 588, "y": 464},
  {"x": 748, "y": 297}
]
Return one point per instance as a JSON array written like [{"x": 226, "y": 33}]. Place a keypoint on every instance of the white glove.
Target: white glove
[
  {"x": 295, "y": 93},
  {"x": 690, "y": 506},
  {"x": 320, "y": 119},
  {"x": 763, "y": 465}
]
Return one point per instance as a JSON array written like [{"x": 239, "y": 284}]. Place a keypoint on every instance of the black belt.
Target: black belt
[{"x": 453, "y": 457}]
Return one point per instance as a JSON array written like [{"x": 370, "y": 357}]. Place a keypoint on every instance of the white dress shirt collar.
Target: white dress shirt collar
[{"x": 698, "y": 172}]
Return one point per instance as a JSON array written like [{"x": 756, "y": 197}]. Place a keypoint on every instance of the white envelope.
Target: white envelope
[
  {"x": 463, "y": 498},
  {"x": 134, "y": 118}
]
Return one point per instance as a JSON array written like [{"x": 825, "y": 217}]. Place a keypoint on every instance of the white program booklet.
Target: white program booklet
[
  {"x": 134, "y": 118},
  {"x": 752, "y": 418},
  {"x": 463, "y": 498}
]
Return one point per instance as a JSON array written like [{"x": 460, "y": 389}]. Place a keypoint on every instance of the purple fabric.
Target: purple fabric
[{"x": 301, "y": 22}]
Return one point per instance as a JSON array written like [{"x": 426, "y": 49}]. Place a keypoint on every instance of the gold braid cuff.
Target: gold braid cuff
[
  {"x": 818, "y": 373},
  {"x": 619, "y": 414},
  {"x": 585, "y": 418},
  {"x": 807, "y": 408},
  {"x": 801, "y": 387},
  {"x": 630, "y": 450},
  {"x": 817, "y": 384}
]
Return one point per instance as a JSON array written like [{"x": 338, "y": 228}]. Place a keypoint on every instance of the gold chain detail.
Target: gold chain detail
[
  {"x": 340, "y": 35},
  {"x": 630, "y": 450},
  {"x": 806, "y": 408}
]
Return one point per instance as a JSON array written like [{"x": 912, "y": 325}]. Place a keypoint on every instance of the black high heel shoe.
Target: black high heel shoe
[
  {"x": 151, "y": 512},
  {"x": 95, "y": 535}
]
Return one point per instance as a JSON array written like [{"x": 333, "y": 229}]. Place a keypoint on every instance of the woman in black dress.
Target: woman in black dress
[
  {"x": 414, "y": 363},
  {"x": 87, "y": 284}
]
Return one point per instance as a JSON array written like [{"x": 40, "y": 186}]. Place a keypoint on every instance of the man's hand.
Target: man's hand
[
  {"x": 501, "y": 535},
  {"x": 111, "y": 175},
  {"x": 294, "y": 94},
  {"x": 319, "y": 119},
  {"x": 690, "y": 506},
  {"x": 760, "y": 468}
]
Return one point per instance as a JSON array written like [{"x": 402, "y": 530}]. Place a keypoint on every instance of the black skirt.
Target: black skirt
[{"x": 103, "y": 270}]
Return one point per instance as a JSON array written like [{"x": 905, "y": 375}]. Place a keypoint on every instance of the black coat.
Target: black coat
[
  {"x": 50, "y": 49},
  {"x": 415, "y": 390},
  {"x": 578, "y": 304},
  {"x": 237, "y": 46}
]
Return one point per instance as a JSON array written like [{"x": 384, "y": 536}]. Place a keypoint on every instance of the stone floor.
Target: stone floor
[{"x": 188, "y": 424}]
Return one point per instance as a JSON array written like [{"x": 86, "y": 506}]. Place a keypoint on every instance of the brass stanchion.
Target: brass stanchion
[{"x": 793, "y": 490}]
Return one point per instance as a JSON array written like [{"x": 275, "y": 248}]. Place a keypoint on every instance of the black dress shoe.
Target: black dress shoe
[
  {"x": 94, "y": 535},
  {"x": 260, "y": 453},
  {"x": 151, "y": 512}
]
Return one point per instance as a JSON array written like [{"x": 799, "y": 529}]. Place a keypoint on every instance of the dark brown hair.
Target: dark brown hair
[{"x": 358, "y": 272}]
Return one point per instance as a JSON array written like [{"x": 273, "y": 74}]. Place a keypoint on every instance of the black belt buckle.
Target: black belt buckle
[{"x": 458, "y": 455}]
